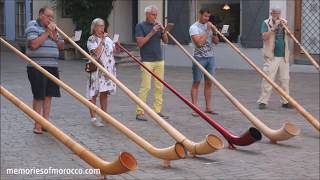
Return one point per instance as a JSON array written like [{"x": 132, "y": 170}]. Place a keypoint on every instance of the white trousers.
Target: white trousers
[{"x": 272, "y": 68}]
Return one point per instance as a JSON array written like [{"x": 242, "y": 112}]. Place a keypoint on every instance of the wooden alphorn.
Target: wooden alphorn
[
  {"x": 287, "y": 131},
  {"x": 124, "y": 163}
]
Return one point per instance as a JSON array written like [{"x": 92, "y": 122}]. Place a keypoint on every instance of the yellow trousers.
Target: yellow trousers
[{"x": 157, "y": 68}]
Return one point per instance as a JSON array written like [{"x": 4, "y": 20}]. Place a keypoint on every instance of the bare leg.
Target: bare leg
[
  {"x": 207, "y": 94},
  {"x": 47, "y": 107},
  {"x": 104, "y": 101},
  {"x": 37, "y": 106},
  {"x": 194, "y": 92},
  {"x": 93, "y": 100}
]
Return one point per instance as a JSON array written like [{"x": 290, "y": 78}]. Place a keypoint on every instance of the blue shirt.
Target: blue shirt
[
  {"x": 279, "y": 48},
  {"x": 151, "y": 51},
  {"x": 47, "y": 53}
]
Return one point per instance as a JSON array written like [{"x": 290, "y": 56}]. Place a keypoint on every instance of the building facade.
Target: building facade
[
  {"x": 14, "y": 14},
  {"x": 244, "y": 17}
]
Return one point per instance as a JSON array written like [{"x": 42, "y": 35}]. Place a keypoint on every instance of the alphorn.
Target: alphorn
[
  {"x": 301, "y": 47},
  {"x": 174, "y": 152},
  {"x": 124, "y": 163},
  {"x": 249, "y": 137},
  {"x": 310, "y": 118},
  {"x": 210, "y": 144},
  {"x": 287, "y": 131}
]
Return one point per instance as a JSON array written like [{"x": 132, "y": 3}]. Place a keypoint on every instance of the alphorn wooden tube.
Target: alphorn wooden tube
[
  {"x": 209, "y": 145},
  {"x": 249, "y": 137},
  {"x": 124, "y": 163},
  {"x": 310, "y": 118},
  {"x": 287, "y": 131},
  {"x": 174, "y": 152},
  {"x": 302, "y": 48}
]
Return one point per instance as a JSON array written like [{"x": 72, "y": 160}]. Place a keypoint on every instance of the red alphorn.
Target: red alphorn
[{"x": 249, "y": 137}]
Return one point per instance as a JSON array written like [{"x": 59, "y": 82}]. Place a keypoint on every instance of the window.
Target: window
[
  {"x": 20, "y": 19},
  {"x": 65, "y": 10},
  {"x": 2, "y": 18},
  {"x": 222, "y": 17}
]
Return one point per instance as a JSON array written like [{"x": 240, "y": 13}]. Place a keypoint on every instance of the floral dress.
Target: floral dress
[{"x": 97, "y": 82}]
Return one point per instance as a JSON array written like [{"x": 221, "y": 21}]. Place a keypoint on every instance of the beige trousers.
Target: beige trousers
[{"x": 272, "y": 68}]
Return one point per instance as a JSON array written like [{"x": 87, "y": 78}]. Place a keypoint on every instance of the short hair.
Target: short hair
[
  {"x": 150, "y": 8},
  {"x": 94, "y": 24},
  {"x": 275, "y": 9},
  {"x": 43, "y": 9},
  {"x": 203, "y": 10}
]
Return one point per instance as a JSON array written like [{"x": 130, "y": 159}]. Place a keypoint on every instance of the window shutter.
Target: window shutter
[{"x": 254, "y": 12}]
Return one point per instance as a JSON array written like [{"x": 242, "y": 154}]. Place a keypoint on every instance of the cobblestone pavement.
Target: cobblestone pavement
[{"x": 297, "y": 158}]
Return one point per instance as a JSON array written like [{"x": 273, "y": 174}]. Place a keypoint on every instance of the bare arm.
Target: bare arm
[
  {"x": 199, "y": 40},
  {"x": 215, "y": 39},
  {"x": 141, "y": 41},
  {"x": 36, "y": 43},
  {"x": 165, "y": 38},
  {"x": 60, "y": 44},
  {"x": 55, "y": 38},
  {"x": 97, "y": 51}
]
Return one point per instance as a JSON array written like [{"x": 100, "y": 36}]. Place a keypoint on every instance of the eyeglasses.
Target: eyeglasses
[{"x": 48, "y": 16}]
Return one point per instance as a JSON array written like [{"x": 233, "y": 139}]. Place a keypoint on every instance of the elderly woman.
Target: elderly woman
[{"x": 101, "y": 48}]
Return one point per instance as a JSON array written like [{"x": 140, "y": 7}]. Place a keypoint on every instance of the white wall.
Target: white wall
[
  {"x": 120, "y": 20},
  {"x": 144, "y": 3},
  {"x": 281, "y": 4},
  {"x": 225, "y": 56},
  {"x": 37, "y": 4},
  {"x": 65, "y": 24}
]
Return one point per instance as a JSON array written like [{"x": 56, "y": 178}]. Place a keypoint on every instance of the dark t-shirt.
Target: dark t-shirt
[{"x": 150, "y": 51}]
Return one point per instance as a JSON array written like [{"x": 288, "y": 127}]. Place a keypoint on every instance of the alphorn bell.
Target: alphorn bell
[
  {"x": 311, "y": 119},
  {"x": 287, "y": 131},
  {"x": 124, "y": 163},
  {"x": 249, "y": 137},
  {"x": 174, "y": 152},
  {"x": 206, "y": 146},
  {"x": 302, "y": 48}
]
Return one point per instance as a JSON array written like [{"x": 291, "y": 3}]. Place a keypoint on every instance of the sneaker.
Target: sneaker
[
  {"x": 163, "y": 116},
  {"x": 287, "y": 106},
  {"x": 140, "y": 117},
  {"x": 262, "y": 106},
  {"x": 96, "y": 122}
]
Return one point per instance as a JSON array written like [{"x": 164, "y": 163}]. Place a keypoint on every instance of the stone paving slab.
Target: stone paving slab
[{"x": 297, "y": 158}]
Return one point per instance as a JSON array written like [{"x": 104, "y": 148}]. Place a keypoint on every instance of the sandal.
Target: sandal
[
  {"x": 37, "y": 131},
  {"x": 211, "y": 112},
  {"x": 195, "y": 114}
]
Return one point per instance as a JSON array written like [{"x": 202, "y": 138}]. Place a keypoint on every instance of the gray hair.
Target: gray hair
[
  {"x": 276, "y": 9},
  {"x": 150, "y": 8},
  {"x": 94, "y": 24}
]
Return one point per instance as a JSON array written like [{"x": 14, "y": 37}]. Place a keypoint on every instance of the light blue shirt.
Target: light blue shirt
[{"x": 47, "y": 54}]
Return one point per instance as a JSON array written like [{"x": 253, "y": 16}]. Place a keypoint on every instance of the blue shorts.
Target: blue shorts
[{"x": 208, "y": 63}]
